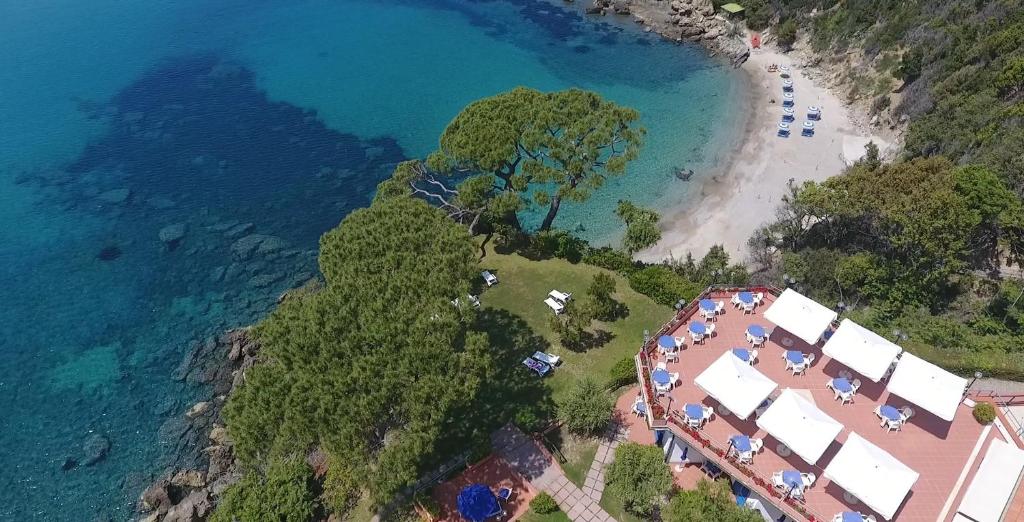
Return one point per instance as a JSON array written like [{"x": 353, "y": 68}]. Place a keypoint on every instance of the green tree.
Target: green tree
[
  {"x": 586, "y": 408},
  {"x": 786, "y": 34},
  {"x": 524, "y": 144},
  {"x": 663, "y": 285},
  {"x": 603, "y": 305},
  {"x": 282, "y": 494},
  {"x": 710, "y": 502},
  {"x": 571, "y": 325},
  {"x": 641, "y": 226},
  {"x": 639, "y": 476},
  {"x": 910, "y": 65},
  {"x": 362, "y": 369}
]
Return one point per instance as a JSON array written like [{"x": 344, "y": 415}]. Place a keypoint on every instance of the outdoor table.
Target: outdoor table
[
  {"x": 756, "y": 330},
  {"x": 640, "y": 407},
  {"x": 661, "y": 377},
  {"x": 742, "y": 354},
  {"x": 708, "y": 305},
  {"x": 694, "y": 411},
  {"x": 666, "y": 341},
  {"x": 746, "y": 297},
  {"x": 741, "y": 443},
  {"x": 794, "y": 357},
  {"x": 852, "y": 516},
  {"x": 698, "y": 328},
  {"x": 890, "y": 413},
  {"x": 793, "y": 479},
  {"x": 842, "y": 385}
]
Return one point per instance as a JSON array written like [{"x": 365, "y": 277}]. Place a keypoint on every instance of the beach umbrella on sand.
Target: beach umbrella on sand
[
  {"x": 783, "y": 125},
  {"x": 787, "y": 96},
  {"x": 813, "y": 112},
  {"x": 784, "y": 71},
  {"x": 808, "y": 125},
  {"x": 477, "y": 502}
]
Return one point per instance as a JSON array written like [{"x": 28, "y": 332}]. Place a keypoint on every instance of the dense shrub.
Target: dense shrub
[
  {"x": 622, "y": 373},
  {"x": 602, "y": 305},
  {"x": 984, "y": 412},
  {"x": 281, "y": 493},
  {"x": 709, "y": 502},
  {"x": 556, "y": 243},
  {"x": 663, "y": 285},
  {"x": 610, "y": 259},
  {"x": 543, "y": 504},
  {"x": 586, "y": 409},
  {"x": 639, "y": 476},
  {"x": 786, "y": 33}
]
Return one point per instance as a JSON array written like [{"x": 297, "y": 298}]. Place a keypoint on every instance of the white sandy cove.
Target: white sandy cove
[{"x": 744, "y": 195}]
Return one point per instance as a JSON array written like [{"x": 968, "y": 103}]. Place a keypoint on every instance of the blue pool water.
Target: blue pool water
[{"x": 119, "y": 120}]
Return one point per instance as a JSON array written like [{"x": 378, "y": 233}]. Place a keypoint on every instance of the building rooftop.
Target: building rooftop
[{"x": 945, "y": 454}]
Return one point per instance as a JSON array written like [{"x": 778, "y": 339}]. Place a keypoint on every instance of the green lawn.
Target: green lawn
[
  {"x": 557, "y": 516},
  {"x": 523, "y": 285},
  {"x": 613, "y": 505}
]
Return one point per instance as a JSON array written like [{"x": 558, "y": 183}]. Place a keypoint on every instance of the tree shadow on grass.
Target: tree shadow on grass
[
  {"x": 591, "y": 340},
  {"x": 511, "y": 392}
]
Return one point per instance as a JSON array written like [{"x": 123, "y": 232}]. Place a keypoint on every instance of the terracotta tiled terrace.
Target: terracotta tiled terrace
[{"x": 940, "y": 451}]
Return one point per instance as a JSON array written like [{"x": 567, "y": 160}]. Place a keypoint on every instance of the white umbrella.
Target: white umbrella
[
  {"x": 872, "y": 475},
  {"x": 864, "y": 351},
  {"x": 735, "y": 384},
  {"x": 787, "y": 82},
  {"x": 788, "y": 110},
  {"x": 809, "y": 125},
  {"x": 787, "y": 95},
  {"x": 813, "y": 109},
  {"x": 800, "y": 425},
  {"x": 783, "y": 125},
  {"x": 800, "y": 315},
  {"x": 927, "y": 386}
]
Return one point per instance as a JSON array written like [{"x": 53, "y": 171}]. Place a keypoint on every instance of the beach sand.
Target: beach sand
[{"x": 742, "y": 195}]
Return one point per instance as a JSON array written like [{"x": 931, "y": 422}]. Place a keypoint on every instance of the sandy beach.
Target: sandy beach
[{"x": 743, "y": 194}]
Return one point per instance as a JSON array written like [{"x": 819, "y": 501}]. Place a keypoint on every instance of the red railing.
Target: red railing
[{"x": 717, "y": 452}]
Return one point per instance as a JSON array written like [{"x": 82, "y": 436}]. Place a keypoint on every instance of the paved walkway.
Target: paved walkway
[
  {"x": 593, "y": 487},
  {"x": 532, "y": 462}
]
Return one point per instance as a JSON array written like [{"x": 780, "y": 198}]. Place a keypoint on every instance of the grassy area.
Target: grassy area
[
  {"x": 579, "y": 453},
  {"x": 557, "y": 516},
  {"x": 613, "y": 505},
  {"x": 525, "y": 283}
]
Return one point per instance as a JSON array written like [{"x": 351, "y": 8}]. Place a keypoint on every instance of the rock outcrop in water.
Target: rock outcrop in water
[
  {"x": 681, "y": 20},
  {"x": 188, "y": 490}
]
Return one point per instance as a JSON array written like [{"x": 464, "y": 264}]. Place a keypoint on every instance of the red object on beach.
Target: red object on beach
[{"x": 755, "y": 41}]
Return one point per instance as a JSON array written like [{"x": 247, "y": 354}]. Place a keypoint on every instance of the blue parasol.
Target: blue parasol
[{"x": 477, "y": 503}]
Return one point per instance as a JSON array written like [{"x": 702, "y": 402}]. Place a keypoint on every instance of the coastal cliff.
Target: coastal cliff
[
  {"x": 188, "y": 488},
  {"x": 682, "y": 21}
]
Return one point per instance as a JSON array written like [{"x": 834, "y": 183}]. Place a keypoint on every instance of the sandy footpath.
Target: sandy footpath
[{"x": 744, "y": 193}]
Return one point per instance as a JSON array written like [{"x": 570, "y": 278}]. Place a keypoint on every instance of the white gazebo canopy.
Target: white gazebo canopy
[
  {"x": 994, "y": 485},
  {"x": 864, "y": 351},
  {"x": 800, "y": 425},
  {"x": 800, "y": 316},
  {"x": 927, "y": 386},
  {"x": 735, "y": 384},
  {"x": 872, "y": 475}
]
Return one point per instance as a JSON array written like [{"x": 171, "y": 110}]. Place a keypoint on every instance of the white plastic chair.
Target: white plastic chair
[
  {"x": 748, "y": 308},
  {"x": 752, "y": 357},
  {"x": 710, "y": 330},
  {"x": 661, "y": 366},
  {"x": 672, "y": 355},
  {"x": 735, "y": 300},
  {"x": 757, "y": 341},
  {"x": 756, "y": 445},
  {"x": 708, "y": 314},
  {"x": 906, "y": 413},
  {"x": 808, "y": 479},
  {"x": 777, "y": 480},
  {"x": 708, "y": 412},
  {"x": 673, "y": 379},
  {"x": 697, "y": 338},
  {"x": 758, "y": 297},
  {"x": 680, "y": 342}
]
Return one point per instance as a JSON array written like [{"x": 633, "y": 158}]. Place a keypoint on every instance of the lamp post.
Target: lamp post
[
  {"x": 977, "y": 375},
  {"x": 789, "y": 280},
  {"x": 899, "y": 335},
  {"x": 647, "y": 337}
]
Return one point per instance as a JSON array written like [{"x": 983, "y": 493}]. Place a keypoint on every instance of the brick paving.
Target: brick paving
[
  {"x": 593, "y": 486},
  {"x": 530, "y": 460}
]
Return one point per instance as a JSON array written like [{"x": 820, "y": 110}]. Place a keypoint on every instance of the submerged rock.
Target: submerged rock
[
  {"x": 96, "y": 448},
  {"x": 109, "y": 253},
  {"x": 116, "y": 196},
  {"x": 171, "y": 235}
]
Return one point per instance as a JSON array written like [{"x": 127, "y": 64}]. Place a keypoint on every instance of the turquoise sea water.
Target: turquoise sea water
[{"x": 232, "y": 118}]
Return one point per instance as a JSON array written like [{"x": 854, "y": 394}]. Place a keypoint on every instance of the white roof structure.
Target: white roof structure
[
  {"x": 800, "y": 315},
  {"x": 735, "y": 384},
  {"x": 800, "y": 425},
  {"x": 994, "y": 484},
  {"x": 872, "y": 475},
  {"x": 927, "y": 386},
  {"x": 864, "y": 351}
]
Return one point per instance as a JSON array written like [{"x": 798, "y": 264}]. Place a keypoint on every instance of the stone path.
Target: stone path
[
  {"x": 593, "y": 487},
  {"x": 533, "y": 463}
]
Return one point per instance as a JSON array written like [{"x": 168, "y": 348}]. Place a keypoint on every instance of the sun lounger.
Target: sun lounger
[
  {"x": 554, "y": 305},
  {"x": 561, "y": 297},
  {"x": 489, "y": 278},
  {"x": 538, "y": 367},
  {"x": 547, "y": 358}
]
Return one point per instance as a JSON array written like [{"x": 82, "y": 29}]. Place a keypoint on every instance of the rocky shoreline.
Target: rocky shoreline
[
  {"x": 681, "y": 21},
  {"x": 205, "y": 464}
]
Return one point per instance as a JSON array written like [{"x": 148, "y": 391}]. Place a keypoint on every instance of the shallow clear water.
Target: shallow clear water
[{"x": 230, "y": 118}]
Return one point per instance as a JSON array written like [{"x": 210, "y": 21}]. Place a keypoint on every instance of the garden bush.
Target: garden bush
[
  {"x": 984, "y": 412},
  {"x": 543, "y": 504},
  {"x": 639, "y": 476},
  {"x": 610, "y": 259},
  {"x": 663, "y": 285},
  {"x": 623, "y": 373},
  {"x": 586, "y": 409}
]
